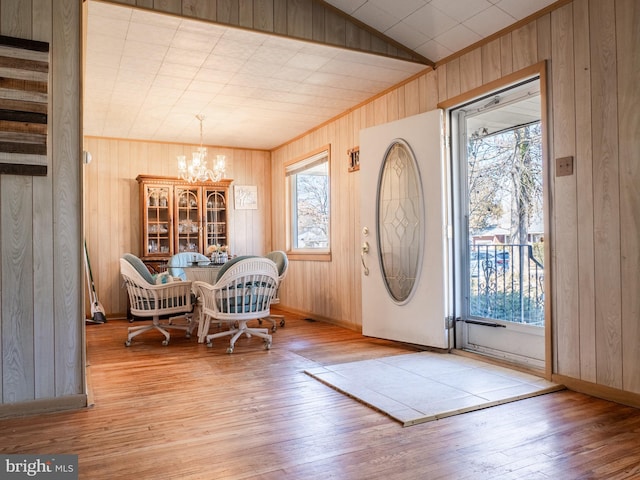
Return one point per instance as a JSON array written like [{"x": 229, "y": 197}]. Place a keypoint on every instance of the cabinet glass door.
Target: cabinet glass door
[
  {"x": 158, "y": 235},
  {"x": 216, "y": 218},
  {"x": 188, "y": 220}
]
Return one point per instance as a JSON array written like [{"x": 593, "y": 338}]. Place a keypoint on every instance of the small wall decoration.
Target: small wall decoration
[
  {"x": 354, "y": 159},
  {"x": 24, "y": 86},
  {"x": 246, "y": 197}
]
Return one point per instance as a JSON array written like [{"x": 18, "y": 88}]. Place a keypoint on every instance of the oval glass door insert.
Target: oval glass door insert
[{"x": 400, "y": 221}]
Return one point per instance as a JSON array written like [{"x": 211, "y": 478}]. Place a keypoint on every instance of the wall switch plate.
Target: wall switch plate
[{"x": 564, "y": 166}]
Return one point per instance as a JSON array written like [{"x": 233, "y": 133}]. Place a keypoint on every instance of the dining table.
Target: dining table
[{"x": 202, "y": 271}]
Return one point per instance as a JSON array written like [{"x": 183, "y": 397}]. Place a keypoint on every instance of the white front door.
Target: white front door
[{"x": 403, "y": 231}]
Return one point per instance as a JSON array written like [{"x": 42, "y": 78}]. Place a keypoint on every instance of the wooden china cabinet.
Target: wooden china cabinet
[{"x": 181, "y": 217}]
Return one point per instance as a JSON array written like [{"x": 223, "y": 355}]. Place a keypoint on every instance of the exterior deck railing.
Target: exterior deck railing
[{"x": 506, "y": 283}]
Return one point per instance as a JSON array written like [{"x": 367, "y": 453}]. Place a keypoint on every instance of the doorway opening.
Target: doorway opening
[{"x": 497, "y": 148}]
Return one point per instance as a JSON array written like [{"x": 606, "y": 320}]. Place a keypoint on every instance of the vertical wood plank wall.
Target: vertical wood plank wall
[
  {"x": 41, "y": 334},
  {"x": 112, "y": 208},
  {"x": 591, "y": 49}
]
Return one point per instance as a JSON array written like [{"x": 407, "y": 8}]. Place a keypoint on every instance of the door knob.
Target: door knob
[{"x": 363, "y": 251}]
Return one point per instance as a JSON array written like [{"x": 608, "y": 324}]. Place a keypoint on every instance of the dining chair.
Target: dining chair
[
  {"x": 184, "y": 259},
  {"x": 282, "y": 262},
  {"x": 243, "y": 292},
  {"x": 148, "y": 299}
]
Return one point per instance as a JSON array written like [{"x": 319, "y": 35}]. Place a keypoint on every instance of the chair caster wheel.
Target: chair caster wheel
[
  {"x": 230, "y": 350},
  {"x": 274, "y": 328},
  {"x": 282, "y": 323},
  {"x": 127, "y": 343},
  {"x": 267, "y": 345},
  {"x": 165, "y": 342},
  {"x": 188, "y": 335},
  {"x": 209, "y": 344}
]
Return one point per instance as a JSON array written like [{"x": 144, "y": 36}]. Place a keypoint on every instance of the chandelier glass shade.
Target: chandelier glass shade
[{"x": 197, "y": 170}]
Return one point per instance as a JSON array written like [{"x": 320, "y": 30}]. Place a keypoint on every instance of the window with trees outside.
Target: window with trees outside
[{"x": 308, "y": 199}]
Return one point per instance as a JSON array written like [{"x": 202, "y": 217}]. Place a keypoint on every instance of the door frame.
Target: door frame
[{"x": 536, "y": 70}]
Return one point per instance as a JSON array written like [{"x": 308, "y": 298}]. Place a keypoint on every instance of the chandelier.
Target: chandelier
[{"x": 197, "y": 170}]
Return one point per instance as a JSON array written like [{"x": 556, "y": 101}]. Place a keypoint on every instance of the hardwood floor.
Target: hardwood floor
[{"x": 189, "y": 412}]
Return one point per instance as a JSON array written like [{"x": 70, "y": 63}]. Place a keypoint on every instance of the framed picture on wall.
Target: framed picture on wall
[{"x": 246, "y": 197}]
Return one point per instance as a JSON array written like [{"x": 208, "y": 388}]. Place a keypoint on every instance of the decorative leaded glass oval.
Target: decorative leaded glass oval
[{"x": 400, "y": 221}]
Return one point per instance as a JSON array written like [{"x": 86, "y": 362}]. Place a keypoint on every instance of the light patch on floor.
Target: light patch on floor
[{"x": 425, "y": 386}]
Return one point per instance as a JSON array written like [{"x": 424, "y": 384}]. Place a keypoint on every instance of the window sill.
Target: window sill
[{"x": 309, "y": 256}]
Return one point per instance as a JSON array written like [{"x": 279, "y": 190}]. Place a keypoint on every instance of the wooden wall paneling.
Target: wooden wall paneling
[
  {"x": 240, "y": 223},
  {"x": 441, "y": 73},
  {"x": 43, "y": 297},
  {"x": 430, "y": 94},
  {"x": 491, "y": 61},
  {"x": 15, "y": 18},
  {"x": 506, "y": 54},
  {"x": 543, "y": 24},
  {"x": 100, "y": 246},
  {"x": 525, "y": 46},
  {"x": 112, "y": 250},
  {"x": 17, "y": 241},
  {"x": 318, "y": 23},
  {"x": 204, "y": 9},
  {"x": 565, "y": 214},
  {"x": 471, "y": 70},
  {"x": 367, "y": 118},
  {"x": 379, "y": 46},
  {"x": 349, "y": 138},
  {"x": 245, "y": 13},
  {"x": 393, "y": 104},
  {"x": 66, "y": 147},
  {"x": 356, "y": 37},
  {"x": 300, "y": 18},
  {"x": 110, "y": 284},
  {"x": 169, "y": 6},
  {"x": 90, "y": 212},
  {"x": 401, "y": 101},
  {"x": 354, "y": 190},
  {"x": 453, "y": 78},
  {"x": 411, "y": 103},
  {"x": 341, "y": 268},
  {"x": 228, "y": 12},
  {"x": 584, "y": 177},
  {"x": 628, "y": 65},
  {"x": 127, "y": 204},
  {"x": 263, "y": 15},
  {"x": 255, "y": 231},
  {"x": 280, "y": 16},
  {"x": 262, "y": 162},
  {"x": 380, "y": 110},
  {"x": 336, "y": 29},
  {"x": 278, "y": 205},
  {"x": 606, "y": 192},
  {"x": 43, "y": 252}
]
